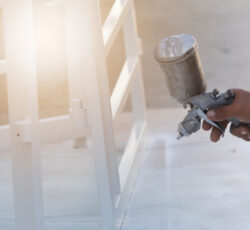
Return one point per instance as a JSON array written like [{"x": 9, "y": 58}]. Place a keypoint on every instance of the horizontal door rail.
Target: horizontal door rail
[{"x": 50, "y": 130}]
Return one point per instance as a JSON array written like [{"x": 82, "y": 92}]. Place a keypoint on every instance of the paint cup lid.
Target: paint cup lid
[{"x": 175, "y": 48}]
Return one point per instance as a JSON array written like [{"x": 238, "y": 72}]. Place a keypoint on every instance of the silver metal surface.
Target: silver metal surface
[{"x": 179, "y": 59}]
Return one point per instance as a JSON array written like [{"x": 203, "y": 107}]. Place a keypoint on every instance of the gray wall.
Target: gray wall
[{"x": 221, "y": 28}]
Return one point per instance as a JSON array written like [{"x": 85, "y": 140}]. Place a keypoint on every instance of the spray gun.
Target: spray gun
[{"x": 179, "y": 59}]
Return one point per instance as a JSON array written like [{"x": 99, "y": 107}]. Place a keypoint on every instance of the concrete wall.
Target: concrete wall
[{"x": 221, "y": 28}]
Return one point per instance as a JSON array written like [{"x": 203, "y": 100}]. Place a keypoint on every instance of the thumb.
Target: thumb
[{"x": 221, "y": 114}]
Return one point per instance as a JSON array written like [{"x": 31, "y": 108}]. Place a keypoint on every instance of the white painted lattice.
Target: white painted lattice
[{"x": 92, "y": 110}]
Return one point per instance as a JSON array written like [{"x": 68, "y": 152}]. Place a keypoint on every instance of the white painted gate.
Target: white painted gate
[{"x": 92, "y": 109}]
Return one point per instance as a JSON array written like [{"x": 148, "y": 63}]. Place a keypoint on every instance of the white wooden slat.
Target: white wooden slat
[
  {"x": 59, "y": 129},
  {"x": 129, "y": 163},
  {"x": 101, "y": 116},
  {"x": 53, "y": 129},
  {"x": 76, "y": 36},
  {"x": 2, "y": 67},
  {"x": 130, "y": 151},
  {"x": 133, "y": 163},
  {"x": 134, "y": 49},
  {"x": 131, "y": 34},
  {"x": 23, "y": 114},
  {"x": 123, "y": 85},
  {"x": 138, "y": 98},
  {"x": 114, "y": 22}
]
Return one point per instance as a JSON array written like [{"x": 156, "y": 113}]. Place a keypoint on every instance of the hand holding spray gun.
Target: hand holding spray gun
[
  {"x": 179, "y": 59},
  {"x": 240, "y": 109}
]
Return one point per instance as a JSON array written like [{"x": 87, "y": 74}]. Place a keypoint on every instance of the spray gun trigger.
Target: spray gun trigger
[{"x": 205, "y": 118}]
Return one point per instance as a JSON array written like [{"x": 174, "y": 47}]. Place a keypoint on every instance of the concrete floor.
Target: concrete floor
[
  {"x": 181, "y": 185},
  {"x": 192, "y": 183}
]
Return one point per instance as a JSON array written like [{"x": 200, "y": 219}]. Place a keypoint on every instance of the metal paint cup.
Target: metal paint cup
[{"x": 179, "y": 59}]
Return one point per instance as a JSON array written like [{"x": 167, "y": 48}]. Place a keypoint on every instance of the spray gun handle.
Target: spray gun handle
[{"x": 229, "y": 99}]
